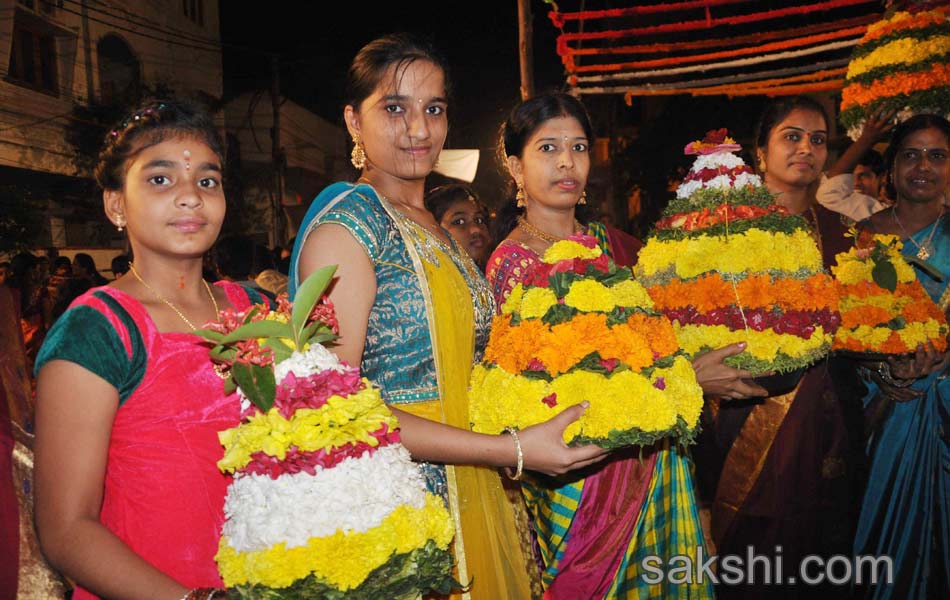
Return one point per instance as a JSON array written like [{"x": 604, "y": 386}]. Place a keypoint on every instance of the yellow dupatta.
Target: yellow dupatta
[{"x": 487, "y": 547}]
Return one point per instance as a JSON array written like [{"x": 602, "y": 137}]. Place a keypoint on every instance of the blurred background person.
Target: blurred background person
[
  {"x": 120, "y": 265},
  {"x": 84, "y": 267},
  {"x": 852, "y": 186},
  {"x": 456, "y": 207}
]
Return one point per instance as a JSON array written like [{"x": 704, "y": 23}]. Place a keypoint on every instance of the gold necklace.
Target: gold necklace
[
  {"x": 168, "y": 302},
  {"x": 923, "y": 252},
  {"x": 543, "y": 235}
]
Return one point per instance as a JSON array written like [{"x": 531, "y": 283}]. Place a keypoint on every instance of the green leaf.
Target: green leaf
[
  {"x": 229, "y": 386},
  {"x": 258, "y": 329},
  {"x": 281, "y": 351},
  {"x": 885, "y": 275},
  {"x": 222, "y": 353},
  {"x": 257, "y": 383},
  {"x": 316, "y": 332},
  {"x": 559, "y": 313},
  {"x": 307, "y": 296},
  {"x": 561, "y": 283},
  {"x": 209, "y": 334},
  {"x": 926, "y": 267}
]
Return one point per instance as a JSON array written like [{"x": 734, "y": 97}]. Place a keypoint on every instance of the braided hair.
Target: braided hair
[{"x": 151, "y": 124}]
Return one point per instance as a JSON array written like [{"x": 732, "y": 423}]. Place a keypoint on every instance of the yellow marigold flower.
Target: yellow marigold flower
[
  {"x": 568, "y": 249},
  {"x": 513, "y": 301},
  {"x": 587, "y": 295},
  {"x": 850, "y": 271},
  {"x": 902, "y": 51},
  {"x": 682, "y": 389},
  {"x": 630, "y": 293},
  {"x": 536, "y": 302},
  {"x": 344, "y": 560}
]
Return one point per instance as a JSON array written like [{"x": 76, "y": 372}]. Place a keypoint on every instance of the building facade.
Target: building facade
[{"x": 61, "y": 58}]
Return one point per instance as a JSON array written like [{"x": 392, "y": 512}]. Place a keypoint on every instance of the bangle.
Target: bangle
[
  {"x": 514, "y": 436},
  {"x": 885, "y": 372},
  {"x": 204, "y": 593}
]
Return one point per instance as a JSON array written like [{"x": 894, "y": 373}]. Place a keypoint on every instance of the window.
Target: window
[
  {"x": 194, "y": 10},
  {"x": 119, "y": 71},
  {"x": 33, "y": 59}
]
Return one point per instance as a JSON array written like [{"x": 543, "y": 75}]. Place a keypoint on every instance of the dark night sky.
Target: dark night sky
[{"x": 317, "y": 40}]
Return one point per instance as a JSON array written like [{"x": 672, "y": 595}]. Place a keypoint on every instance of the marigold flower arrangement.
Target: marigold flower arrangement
[
  {"x": 581, "y": 328},
  {"x": 900, "y": 64},
  {"x": 727, "y": 264},
  {"x": 884, "y": 308},
  {"x": 325, "y": 501}
]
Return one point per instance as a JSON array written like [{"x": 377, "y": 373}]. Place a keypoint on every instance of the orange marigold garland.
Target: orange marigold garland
[
  {"x": 884, "y": 308},
  {"x": 900, "y": 64},
  {"x": 582, "y": 329}
]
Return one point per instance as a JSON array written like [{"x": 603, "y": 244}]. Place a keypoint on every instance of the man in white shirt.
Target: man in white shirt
[{"x": 852, "y": 186}]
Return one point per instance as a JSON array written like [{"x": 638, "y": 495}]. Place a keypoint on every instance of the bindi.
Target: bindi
[{"x": 187, "y": 156}]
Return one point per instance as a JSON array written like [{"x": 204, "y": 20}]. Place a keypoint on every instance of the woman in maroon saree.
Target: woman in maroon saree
[{"x": 781, "y": 471}]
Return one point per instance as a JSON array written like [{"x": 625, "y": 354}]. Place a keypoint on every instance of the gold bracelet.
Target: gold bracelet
[{"x": 518, "y": 471}]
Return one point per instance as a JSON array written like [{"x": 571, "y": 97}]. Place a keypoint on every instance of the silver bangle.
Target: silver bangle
[
  {"x": 885, "y": 372},
  {"x": 518, "y": 471}
]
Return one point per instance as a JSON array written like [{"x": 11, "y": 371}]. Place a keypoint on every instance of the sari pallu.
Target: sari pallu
[
  {"x": 904, "y": 514},
  {"x": 596, "y": 526}
]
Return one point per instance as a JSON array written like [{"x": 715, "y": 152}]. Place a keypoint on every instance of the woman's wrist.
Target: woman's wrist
[
  {"x": 519, "y": 460},
  {"x": 884, "y": 371},
  {"x": 205, "y": 593}
]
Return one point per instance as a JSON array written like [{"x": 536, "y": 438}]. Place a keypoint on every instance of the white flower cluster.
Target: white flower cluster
[
  {"x": 726, "y": 181},
  {"x": 354, "y": 496},
  {"x": 315, "y": 360}
]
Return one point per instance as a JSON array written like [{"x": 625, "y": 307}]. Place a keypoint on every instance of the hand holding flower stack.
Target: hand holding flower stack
[
  {"x": 727, "y": 264},
  {"x": 884, "y": 307},
  {"x": 582, "y": 329},
  {"x": 325, "y": 501}
]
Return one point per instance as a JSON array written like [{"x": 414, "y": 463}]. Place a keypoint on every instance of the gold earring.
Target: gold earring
[
  {"x": 358, "y": 155},
  {"x": 120, "y": 224},
  {"x": 520, "y": 196},
  {"x": 762, "y": 164},
  {"x": 583, "y": 199}
]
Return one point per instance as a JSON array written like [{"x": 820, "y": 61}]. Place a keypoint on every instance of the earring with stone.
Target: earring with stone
[{"x": 358, "y": 155}]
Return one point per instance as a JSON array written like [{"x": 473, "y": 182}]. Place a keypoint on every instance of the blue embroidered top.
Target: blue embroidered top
[{"x": 398, "y": 355}]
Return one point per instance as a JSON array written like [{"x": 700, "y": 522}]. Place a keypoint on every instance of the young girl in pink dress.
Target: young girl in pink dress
[{"x": 128, "y": 496}]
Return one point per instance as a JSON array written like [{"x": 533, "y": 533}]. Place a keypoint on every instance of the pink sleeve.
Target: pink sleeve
[{"x": 509, "y": 265}]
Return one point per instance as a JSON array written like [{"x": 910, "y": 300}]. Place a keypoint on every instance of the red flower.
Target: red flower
[
  {"x": 584, "y": 240},
  {"x": 550, "y": 400},
  {"x": 716, "y": 136},
  {"x": 535, "y": 365},
  {"x": 325, "y": 313},
  {"x": 609, "y": 364},
  {"x": 250, "y": 352}
]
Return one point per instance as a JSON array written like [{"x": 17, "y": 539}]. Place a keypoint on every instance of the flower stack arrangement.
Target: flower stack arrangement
[
  {"x": 726, "y": 264},
  {"x": 884, "y": 308},
  {"x": 903, "y": 64},
  {"x": 325, "y": 501},
  {"x": 582, "y": 329}
]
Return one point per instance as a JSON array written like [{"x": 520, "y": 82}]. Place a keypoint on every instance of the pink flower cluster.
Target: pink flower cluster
[
  {"x": 297, "y": 461},
  {"x": 312, "y": 391}
]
